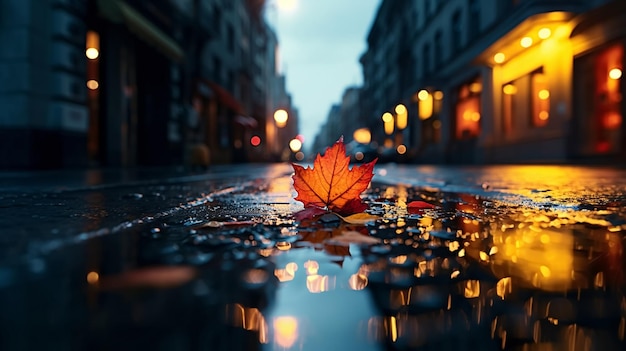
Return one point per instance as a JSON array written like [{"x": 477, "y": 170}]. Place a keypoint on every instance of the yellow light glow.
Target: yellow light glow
[
  {"x": 389, "y": 127},
  {"x": 615, "y": 73},
  {"x": 295, "y": 145},
  {"x": 281, "y": 116},
  {"x": 544, "y": 94},
  {"x": 499, "y": 57},
  {"x": 92, "y": 47},
  {"x": 92, "y": 84},
  {"x": 400, "y": 109},
  {"x": 286, "y": 5},
  {"x": 425, "y": 107},
  {"x": 509, "y": 89},
  {"x": 92, "y": 53},
  {"x": 526, "y": 42},
  {"x": 93, "y": 278},
  {"x": 285, "y": 331},
  {"x": 472, "y": 289},
  {"x": 362, "y": 135},
  {"x": 475, "y": 116},
  {"x": 438, "y": 95},
  {"x": 544, "y": 115},
  {"x": 423, "y": 95},
  {"x": 401, "y": 149},
  {"x": 544, "y": 33},
  {"x": 475, "y": 87},
  {"x": 387, "y": 117},
  {"x": 402, "y": 116}
]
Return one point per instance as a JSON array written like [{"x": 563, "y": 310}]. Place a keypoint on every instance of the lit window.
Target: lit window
[
  {"x": 540, "y": 97},
  {"x": 468, "y": 110}
]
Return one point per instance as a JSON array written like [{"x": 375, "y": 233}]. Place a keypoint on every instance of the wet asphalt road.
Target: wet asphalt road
[{"x": 510, "y": 257}]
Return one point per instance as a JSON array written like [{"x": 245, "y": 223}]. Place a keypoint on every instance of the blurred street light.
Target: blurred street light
[
  {"x": 388, "y": 123},
  {"x": 401, "y": 116},
  {"x": 280, "y": 117},
  {"x": 362, "y": 136},
  {"x": 295, "y": 145}
]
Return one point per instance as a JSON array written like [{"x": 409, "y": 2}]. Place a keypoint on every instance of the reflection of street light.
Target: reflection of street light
[{"x": 281, "y": 116}]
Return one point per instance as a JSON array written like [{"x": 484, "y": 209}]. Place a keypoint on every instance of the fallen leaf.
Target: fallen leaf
[
  {"x": 352, "y": 237},
  {"x": 331, "y": 184},
  {"x": 417, "y": 207},
  {"x": 360, "y": 218},
  {"x": 309, "y": 212}
]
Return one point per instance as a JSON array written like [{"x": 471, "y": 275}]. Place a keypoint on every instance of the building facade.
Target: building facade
[
  {"x": 489, "y": 81},
  {"x": 136, "y": 83}
]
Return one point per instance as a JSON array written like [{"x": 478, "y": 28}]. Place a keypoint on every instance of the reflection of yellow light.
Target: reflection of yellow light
[
  {"x": 359, "y": 156},
  {"x": 287, "y": 273},
  {"x": 544, "y": 115},
  {"x": 544, "y": 33},
  {"x": 475, "y": 116},
  {"x": 357, "y": 281},
  {"x": 93, "y": 277},
  {"x": 92, "y": 53},
  {"x": 504, "y": 287},
  {"x": 281, "y": 116},
  {"x": 387, "y": 117},
  {"x": 532, "y": 258},
  {"x": 283, "y": 245},
  {"x": 285, "y": 331},
  {"x": 437, "y": 124},
  {"x": 362, "y": 136},
  {"x": 472, "y": 289},
  {"x": 526, "y": 42},
  {"x": 615, "y": 73},
  {"x": 438, "y": 95},
  {"x": 311, "y": 267},
  {"x": 299, "y": 155},
  {"x": 295, "y": 145},
  {"x": 543, "y": 94},
  {"x": 401, "y": 149},
  {"x": 509, "y": 89},
  {"x": 92, "y": 84},
  {"x": 499, "y": 57}
]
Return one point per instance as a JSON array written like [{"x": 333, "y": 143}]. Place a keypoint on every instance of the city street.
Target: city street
[{"x": 498, "y": 257}]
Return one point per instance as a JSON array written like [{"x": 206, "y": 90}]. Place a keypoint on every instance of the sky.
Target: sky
[{"x": 320, "y": 43}]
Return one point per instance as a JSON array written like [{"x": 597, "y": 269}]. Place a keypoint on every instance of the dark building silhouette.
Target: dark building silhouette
[{"x": 137, "y": 83}]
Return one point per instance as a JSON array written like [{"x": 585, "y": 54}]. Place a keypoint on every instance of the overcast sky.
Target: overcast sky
[{"x": 321, "y": 42}]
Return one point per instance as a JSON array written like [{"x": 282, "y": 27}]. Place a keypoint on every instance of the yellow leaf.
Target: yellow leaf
[{"x": 359, "y": 218}]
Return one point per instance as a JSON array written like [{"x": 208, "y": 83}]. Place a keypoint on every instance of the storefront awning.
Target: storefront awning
[
  {"x": 226, "y": 98},
  {"x": 118, "y": 11}
]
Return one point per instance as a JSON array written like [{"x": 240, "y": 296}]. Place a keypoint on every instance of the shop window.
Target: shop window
[
  {"x": 540, "y": 99},
  {"x": 607, "y": 99},
  {"x": 468, "y": 110}
]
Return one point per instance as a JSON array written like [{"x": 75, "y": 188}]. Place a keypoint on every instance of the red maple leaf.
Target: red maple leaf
[{"x": 331, "y": 184}]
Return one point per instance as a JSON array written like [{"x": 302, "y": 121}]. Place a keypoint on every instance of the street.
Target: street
[{"x": 510, "y": 257}]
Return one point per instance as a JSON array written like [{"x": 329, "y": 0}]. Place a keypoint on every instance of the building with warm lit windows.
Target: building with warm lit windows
[{"x": 499, "y": 81}]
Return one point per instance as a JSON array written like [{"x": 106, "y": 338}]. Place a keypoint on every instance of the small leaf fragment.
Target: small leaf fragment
[{"x": 360, "y": 218}]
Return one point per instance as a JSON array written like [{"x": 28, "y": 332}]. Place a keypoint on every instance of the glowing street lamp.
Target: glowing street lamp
[
  {"x": 295, "y": 145},
  {"x": 388, "y": 123},
  {"x": 280, "y": 117},
  {"x": 401, "y": 116}
]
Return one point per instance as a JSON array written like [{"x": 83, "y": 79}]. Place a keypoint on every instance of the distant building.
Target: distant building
[
  {"x": 135, "y": 83},
  {"x": 490, "y": 81}
]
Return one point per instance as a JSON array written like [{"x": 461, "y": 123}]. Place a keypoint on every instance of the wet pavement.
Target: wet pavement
[{"x": 511, "y": 257}]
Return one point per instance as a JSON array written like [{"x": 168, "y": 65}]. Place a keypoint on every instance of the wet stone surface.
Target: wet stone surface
[{"x": 230, "y": 269}]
